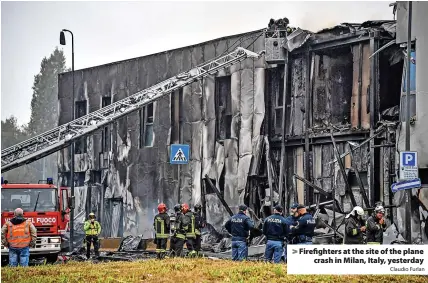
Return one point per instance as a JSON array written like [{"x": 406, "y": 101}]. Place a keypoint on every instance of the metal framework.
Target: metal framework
[{"x": 60, "y": 137}]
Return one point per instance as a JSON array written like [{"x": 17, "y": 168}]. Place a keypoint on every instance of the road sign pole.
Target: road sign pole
[{"x": 409, "y": 50}]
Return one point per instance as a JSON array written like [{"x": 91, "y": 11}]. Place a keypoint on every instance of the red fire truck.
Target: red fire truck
[{"x": 46, "y": 206}]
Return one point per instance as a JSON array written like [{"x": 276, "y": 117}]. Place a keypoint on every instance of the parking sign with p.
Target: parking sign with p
[{"x": 408, "y": 165}]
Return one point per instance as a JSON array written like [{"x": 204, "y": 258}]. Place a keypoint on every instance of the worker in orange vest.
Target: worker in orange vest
[{"x": 18, "y": 234}]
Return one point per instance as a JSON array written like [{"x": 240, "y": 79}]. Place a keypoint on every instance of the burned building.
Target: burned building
[{"x": 259, "y": 131}]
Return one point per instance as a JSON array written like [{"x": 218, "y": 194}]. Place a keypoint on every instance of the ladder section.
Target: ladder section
[{"x": 60, "y": 137}]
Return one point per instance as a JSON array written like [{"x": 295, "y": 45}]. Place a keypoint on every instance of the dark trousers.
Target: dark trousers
[
  {"x": 191, "y": 244},
  {"x": 198, "y": 243},
  {"x": 161, "y": 247},
  {"x": 94, "y": 240},
  {"x": 176, "y": 247}
]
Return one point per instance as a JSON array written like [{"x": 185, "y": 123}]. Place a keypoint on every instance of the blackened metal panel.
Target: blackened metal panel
[
  {"x": 298, "y": 90},
  {"x": 333, "y": 89},
  {"x": 231, "y": 195}
]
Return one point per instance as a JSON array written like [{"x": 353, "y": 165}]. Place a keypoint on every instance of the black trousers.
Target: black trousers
[
  {"x": 191, "y": 244},
  {"x": 198, "y": 243},
  {"x": 176, "y": 247},
  {"x": 161, "y": 244},
  {"x": 95, "y": 242}
]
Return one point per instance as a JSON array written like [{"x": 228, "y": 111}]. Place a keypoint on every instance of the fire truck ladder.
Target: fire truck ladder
[{"x": 60, "y": 137}]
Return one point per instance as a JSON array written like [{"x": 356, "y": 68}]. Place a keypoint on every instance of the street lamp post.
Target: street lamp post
[{"x": 62, "y": 42}]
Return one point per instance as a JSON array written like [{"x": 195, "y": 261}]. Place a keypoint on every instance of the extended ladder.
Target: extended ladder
[{"x": 60, "y": 137}]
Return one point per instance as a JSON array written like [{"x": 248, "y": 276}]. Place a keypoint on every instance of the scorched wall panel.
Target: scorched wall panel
[{"x": 139, "y": 176}]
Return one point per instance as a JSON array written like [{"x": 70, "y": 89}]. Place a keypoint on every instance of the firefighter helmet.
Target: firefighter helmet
[
  {"x": 380, "y": 209},
  {"x": 184, "y": 207},
  {"x": 359, "y": 210},
  {"x": 91, "y": 215},
  {"x": 161, "y": 207}
]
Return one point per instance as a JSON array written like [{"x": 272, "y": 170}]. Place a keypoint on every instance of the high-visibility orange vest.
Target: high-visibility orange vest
[{"x": 19, "y": 236}]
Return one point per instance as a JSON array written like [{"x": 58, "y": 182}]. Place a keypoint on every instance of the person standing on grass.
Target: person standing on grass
[
  {"x": 290, "y": 220},
  {"x": 239, "y": 226},
  {"x": 275, "y": 229},
  {"x": 162, "y": 226},
  {"x": 18, "y": 234},
  {"x": 200, "y": 224},
  {"x": 303, "y": 229},
  {"x": 92, "y": 231}
]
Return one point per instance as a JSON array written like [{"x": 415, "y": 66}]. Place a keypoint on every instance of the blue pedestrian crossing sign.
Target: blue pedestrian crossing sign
[{"x": 179, "y": 154}]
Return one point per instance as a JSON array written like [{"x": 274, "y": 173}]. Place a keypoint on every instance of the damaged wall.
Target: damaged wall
[
  {"x": 136, "y": 175},
  {"x": 418, "y": 128}
]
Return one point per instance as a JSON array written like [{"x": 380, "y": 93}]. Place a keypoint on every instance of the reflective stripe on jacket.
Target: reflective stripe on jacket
[
  {"x": 92, "y": 229},
  {"x": 19, "y": 236},
  {"x": 161, "y": 225},
  {"x": 191, "y": 225}
]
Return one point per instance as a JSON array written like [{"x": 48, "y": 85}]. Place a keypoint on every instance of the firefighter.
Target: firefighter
[
  {"x": 92, "y": 230},
  {"x": 189, "y": 221},
  {"x": 179, "y": 233},
  {"x": 174, "y": 221},
  {"x": 304, "y": 227},
  {"x": 354, "y": 227},
  {"x": 275, "y": 229},
  {"x": 239, "y": 227},
  {"x": 161, "y": 225},
  {"x": 375, "y": 226},
  {"x": 200, "y": 224},
  {"x": 18, "y": 234}
]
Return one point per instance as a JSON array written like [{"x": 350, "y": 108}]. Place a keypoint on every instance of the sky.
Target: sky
[{"x": 105, "y": 32}]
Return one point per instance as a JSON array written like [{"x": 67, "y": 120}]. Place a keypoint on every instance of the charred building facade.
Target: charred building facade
[{"x": 260, "y": 133}]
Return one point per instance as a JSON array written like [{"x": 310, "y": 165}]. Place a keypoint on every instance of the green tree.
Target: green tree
[
  {"x": 11, "y": 134},
  {"x": 44, "y": 106},
  {"x": 44, "y": 116}
]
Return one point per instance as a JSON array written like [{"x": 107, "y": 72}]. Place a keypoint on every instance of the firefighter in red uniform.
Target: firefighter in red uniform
[
  {"x": 18, "y": 234},
  {"x": 162, "y": 226}
]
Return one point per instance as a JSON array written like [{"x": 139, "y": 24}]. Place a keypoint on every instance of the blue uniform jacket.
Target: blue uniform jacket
[
  {"x": 239, "y": 226},
  {"x": 275, "y": 228},
  {"x": 305, "y": 228},
  {"x": 291, "y": 220}
]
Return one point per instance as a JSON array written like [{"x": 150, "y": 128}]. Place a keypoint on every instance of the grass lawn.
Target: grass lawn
[{"x": 177, "y": 270}]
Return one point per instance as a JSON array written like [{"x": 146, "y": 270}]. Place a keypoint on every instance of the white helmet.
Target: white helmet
[
  {"x": 380, "y": 208},
  {"x": 358, "y": 209}
]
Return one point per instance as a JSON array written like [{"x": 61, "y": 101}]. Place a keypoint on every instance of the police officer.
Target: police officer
[
  {"x": 304, "y": 227},
  {"x": 354, "y": 227},
  {"x": 92, "y": 230},
  {"x": 375, "y": 226},
  {"x": 161, "y": 224},
  {"x": 275, "y": 229},
  {"x": 189, "y": 222},
  {"x": 239, "y": 227},
  {"x": 291, "y": 221},
  {"x": 200, "y": 224}
]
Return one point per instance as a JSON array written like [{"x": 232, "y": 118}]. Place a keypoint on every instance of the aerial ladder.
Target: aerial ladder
[{"x": 62, "y": 136}]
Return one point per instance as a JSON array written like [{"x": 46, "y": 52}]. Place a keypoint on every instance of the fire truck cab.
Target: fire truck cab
[{"x": 46, "y": 206}]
